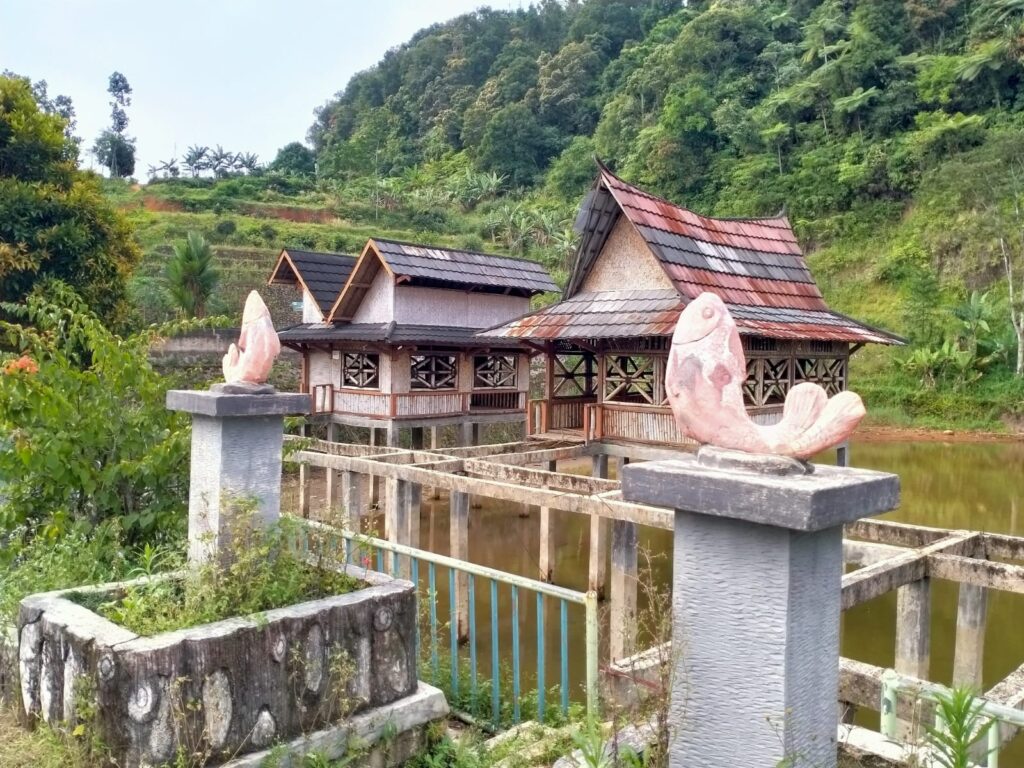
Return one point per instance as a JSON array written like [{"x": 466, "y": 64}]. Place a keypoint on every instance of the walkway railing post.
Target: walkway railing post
[{"x": 758, "y": 563}]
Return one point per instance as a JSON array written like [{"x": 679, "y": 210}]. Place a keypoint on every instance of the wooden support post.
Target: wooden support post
[
  {"x": 459, "y": 549},
  {"x": 332, "y": 500},
  {"x": 969, "y": 653},
  {"x": 598, "y": 534},
  {"x": 304, "y": 471},
  {"x": 622, "y": 641},
  {"x": 353, "y": 498},
  {"x": 547, "y": 538}
]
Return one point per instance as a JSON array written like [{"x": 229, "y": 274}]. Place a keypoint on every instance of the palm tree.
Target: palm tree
[
  {"x": 220, "y": 161},
  {"x": 195, "y": 159},
  {"x": 191, "y": 276}
]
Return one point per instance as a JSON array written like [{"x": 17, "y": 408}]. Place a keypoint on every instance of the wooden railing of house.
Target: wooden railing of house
[{"x": 497, "y": 400}]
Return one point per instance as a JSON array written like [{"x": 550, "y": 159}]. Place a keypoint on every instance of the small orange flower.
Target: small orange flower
[{"x": 23, "y": 363}]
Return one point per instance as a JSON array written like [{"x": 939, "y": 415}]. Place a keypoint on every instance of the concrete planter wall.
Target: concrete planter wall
[{"x": 232, "y": 687}]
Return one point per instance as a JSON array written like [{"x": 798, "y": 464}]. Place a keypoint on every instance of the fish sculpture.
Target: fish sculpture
[
  {"x": 250, "y": 361},
  {"x": 704, "y": 382}
]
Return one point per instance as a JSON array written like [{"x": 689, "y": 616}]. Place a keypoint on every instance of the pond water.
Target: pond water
[{"x": 950, "y": 485}]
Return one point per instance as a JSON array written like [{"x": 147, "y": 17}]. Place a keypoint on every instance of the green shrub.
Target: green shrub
[{"x": 86, "y": 434}]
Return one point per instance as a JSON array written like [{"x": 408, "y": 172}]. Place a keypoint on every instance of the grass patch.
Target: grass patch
[{"x": 263, "y": 572}]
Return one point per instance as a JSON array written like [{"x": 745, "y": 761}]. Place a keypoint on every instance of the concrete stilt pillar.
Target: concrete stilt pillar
[
  {"x": 758, "y": 563},
  {"x": 354, "y": 499},
  {"x": 843, "y": 454},
  {"x": 237, "y": 445},
  {"x": 598, "y": 535},
  {"x": 969, "y": 653},
  {"x": 392, "y": 432},
  {"x": 622, "y": 638},
  {"x": 332, "y": 492},
  {"x": 465, "y": 436},
  {"x": 401, "y": 507},
  {"x": 435, "y": 493},
  {"x": 304, "y": 471},
  {"x": 459, "y": 549},
  {"x": 913, "y": 640},
  {"x": 375, "y": 483},
  {"x": 547, "y": 538}
]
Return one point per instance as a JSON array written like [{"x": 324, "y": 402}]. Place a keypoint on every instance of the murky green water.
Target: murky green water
[{"x": 957, "y": 485}]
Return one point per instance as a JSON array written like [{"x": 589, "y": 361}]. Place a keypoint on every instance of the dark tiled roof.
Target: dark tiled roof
[
  {"x": 449, "y": 265},
  {"x": 324, "y": 274},
  {"x": 626, "y": 314},
  {"x": 390, "y": 333}
]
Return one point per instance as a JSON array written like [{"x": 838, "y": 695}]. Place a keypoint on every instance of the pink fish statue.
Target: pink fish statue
[
  {"x": 250, "y": 361},
  {"x": 704, "y": 381}
]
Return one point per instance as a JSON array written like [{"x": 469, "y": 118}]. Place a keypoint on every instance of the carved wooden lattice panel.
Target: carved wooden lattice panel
[
  {"x": 629, "y": 379},
  {"x": 495, "y": 371},
  {"x": 574, "y": 375},
  {"x": 360, "y": 370},
  {"x": 830, "y": 373},
  {"x": 776, "y": 380},
  {"x": 433, "y": 371},
  {"x": 752, "y": 392}
]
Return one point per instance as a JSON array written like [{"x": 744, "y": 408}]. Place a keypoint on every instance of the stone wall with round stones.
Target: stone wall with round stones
[{"x": 233, "y": 687}]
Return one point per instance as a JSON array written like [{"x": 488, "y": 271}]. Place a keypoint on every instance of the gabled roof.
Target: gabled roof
[
  {"x": 754, "y": 265},
  {"x": 594, "y": 315},
  {"x": 439, "y": 267},
  {"x": 322, "y": 274}
]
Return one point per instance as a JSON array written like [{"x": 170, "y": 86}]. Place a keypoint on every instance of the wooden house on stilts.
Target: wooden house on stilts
[
  {"x": 639, "y": 261},
  {"x": 388, "y": 339}
]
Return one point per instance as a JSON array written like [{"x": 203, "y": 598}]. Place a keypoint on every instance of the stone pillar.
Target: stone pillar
[
  {"x": 969, "y": 653},
  {"x": 459, "y": 549},
  {"x": 622, "y": 638},
  {"x": 236, "y": 459},
  {"x": 598, "y": 534},
  {"x": 758, "y": 563},
  {"x": 401, "y": 519}
]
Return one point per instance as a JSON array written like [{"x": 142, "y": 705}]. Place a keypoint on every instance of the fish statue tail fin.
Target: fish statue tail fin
[
  {"x": 231, "y": 362},
  {"x": 837, "y": 420}
]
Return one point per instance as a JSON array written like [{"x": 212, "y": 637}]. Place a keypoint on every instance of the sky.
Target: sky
[{"x": 246, "y": 75}]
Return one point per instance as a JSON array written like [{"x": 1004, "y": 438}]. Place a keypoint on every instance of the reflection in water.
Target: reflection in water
[{"x": 959, "y": 486}]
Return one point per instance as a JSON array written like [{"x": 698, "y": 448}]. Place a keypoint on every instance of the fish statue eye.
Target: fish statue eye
[{"x": 708, "y": 313}]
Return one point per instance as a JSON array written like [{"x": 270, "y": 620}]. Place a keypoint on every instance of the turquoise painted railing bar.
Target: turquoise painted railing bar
[
  {"x": 893, "y": 683},
  {"x": 358, "y": 550}
]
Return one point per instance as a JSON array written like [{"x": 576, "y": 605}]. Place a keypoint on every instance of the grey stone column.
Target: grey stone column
[
  {"x": 236, "y": 458},
  {"x": 756, "y": 601}
]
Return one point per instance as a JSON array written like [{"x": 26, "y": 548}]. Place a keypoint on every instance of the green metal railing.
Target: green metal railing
[
  {"x": 365, "y": 551},
  {"x": 893, "y": 683}
]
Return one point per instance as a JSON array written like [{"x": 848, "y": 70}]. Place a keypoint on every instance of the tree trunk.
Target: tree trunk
[{"x": 1018, "y": 326}]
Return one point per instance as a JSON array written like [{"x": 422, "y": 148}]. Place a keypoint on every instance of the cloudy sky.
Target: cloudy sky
[{"x": 246, "y": 75}]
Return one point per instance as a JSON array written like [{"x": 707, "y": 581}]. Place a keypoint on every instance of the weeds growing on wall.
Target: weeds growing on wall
[{"x": 259, "y": 570}]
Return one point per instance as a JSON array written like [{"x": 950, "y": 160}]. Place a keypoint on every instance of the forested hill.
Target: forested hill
[{"x": 890, "y": 131}]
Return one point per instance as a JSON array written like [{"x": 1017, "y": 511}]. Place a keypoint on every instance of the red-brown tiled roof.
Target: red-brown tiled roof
[
  {"x": 754, "y": 265},
  {"x": 633, "y": 314},
  {"x": 754, "y": 262}
]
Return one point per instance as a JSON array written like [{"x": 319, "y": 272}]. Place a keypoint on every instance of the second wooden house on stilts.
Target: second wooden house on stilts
[
  {"x": 639, "y": 261},
  {"x": 388, "y": 340}
]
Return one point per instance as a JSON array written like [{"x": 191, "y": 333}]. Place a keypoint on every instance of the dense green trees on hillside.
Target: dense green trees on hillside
[{"x": 54, "y": 222}]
